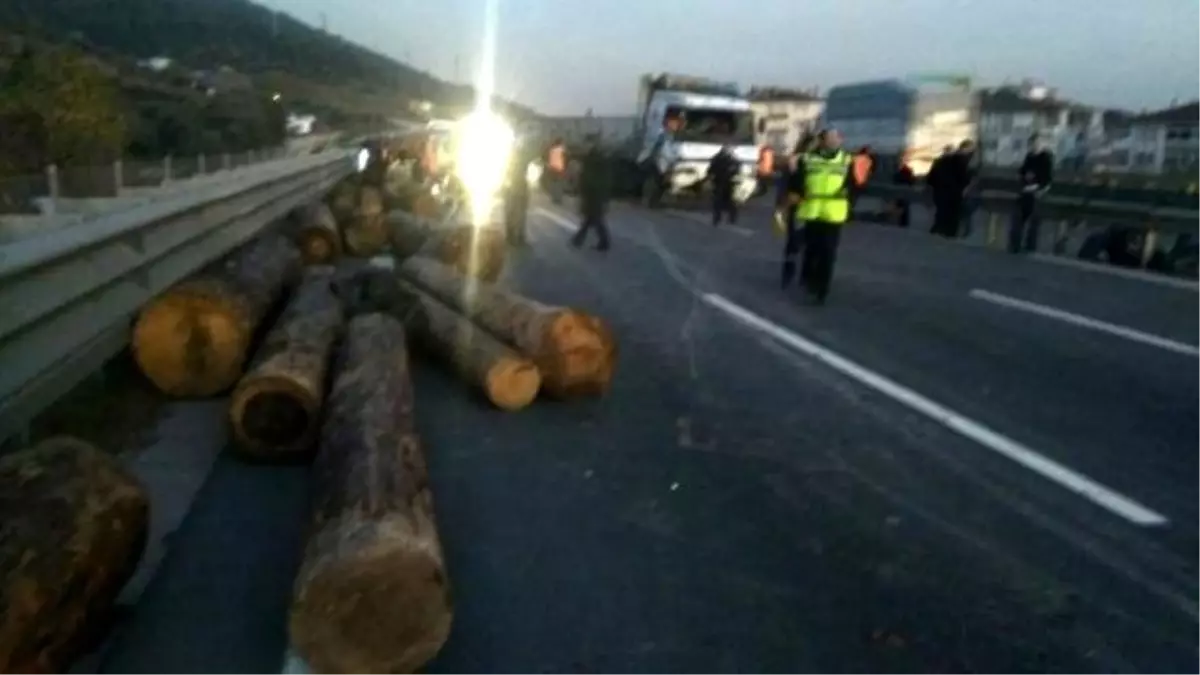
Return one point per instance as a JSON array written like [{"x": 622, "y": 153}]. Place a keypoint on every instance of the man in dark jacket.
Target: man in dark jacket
[
  {"x": 1037, "y": 171},
  {"x": 594, "y": 188},
  {"x": 723, "y": 170},
  {"x": 516, "y": 197},
  {"x": 945, "y": 182}
]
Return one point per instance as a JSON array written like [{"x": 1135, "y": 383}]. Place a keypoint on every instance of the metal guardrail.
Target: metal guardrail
[
  {"x": 1168, "y": 219},
  {"x": 67, "y": 296}
]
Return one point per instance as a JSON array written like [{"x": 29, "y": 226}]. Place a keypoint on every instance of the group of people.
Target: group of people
[
  {"x": 594, "y": 181},
  {"x": 952, "y": 182}
]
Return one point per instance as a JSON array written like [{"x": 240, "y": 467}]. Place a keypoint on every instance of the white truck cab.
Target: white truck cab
[{"x": 683, "y": 122}]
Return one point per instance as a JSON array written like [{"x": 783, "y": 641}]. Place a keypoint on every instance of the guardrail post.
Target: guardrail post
[
  {"x": 166, "y": 169},
  {"x": 118, "y": 177},
  {"x": 201, "y": 167},
  {"x": 226, "y": 161},
  {"x": 52, "y": 185}
]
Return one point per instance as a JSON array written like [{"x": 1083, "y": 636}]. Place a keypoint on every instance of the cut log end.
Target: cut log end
[
  {"x": 354, "y": 611},
  {"x": 318, "y": 247},
  {"x": 273, "y": 417},
  {"x": 190, "y": 344},
  {"x": 581, "y": 362},
  {"x": 512, "y": 383}
]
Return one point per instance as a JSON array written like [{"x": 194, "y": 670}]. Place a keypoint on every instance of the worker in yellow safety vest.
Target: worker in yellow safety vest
[{"x": 821, "y": 188}]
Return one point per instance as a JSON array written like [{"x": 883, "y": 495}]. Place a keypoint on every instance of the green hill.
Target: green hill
[{"x": 313, "y": 70}]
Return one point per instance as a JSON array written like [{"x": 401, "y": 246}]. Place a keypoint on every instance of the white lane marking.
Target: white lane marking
[
  {"x": 1112, "y": 270},
  {"x": 697, "y": 218},
  {"x": 1086, "y": 322},
  {"x": 564, "y": 223},
  {"x": 964, "y": 426}
]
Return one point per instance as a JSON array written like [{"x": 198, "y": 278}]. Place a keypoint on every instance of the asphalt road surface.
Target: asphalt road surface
[{"x": 965, "y": 462}]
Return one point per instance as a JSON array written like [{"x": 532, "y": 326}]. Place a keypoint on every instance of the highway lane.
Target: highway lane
[{"x": 735, "y": 504}]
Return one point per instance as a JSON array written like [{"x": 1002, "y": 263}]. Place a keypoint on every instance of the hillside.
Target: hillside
[{"x": 314, "y": 71}]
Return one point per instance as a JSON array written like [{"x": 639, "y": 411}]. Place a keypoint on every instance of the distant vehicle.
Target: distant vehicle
[{"x": 682, "y": 122}]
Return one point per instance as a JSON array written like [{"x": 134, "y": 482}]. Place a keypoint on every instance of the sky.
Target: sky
[{"x": 566, "y": 56}]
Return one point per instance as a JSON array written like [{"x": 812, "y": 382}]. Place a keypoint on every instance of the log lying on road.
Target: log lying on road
[
  {"x": 194, "y": 339},
  {"x": 574, "y": 351},
  {"x": 478, "y": 252},
  {"x": 318, "y": 235},
  {"x": 343, "y": 198},
  {"x": 508, "y": 379},
  {"x": 372, "y": 594},
  {"x": 364, "y": 232},
  {"x": 275, "y": 408},
  {"x": 73, "y": 527}
]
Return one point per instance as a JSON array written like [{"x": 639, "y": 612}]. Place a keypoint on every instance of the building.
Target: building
[
  {"x": 1010, "y": 116},
  {"x": 915, "y": 116},
  {"x": 783, "y": 116},
  {"x": 1165, "y": 141}
]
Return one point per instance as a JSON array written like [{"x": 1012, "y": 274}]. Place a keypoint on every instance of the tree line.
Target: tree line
[{"x": 59, "y": 105}]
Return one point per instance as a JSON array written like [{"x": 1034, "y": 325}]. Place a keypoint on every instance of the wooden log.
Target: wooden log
[
  {"x": 73, "y": 527},
  {"x": 317, "y": 234},
  {"x": 372, "y": 594},
  {"x": 194, "y": 339},
  {"x": 275, "y": 408},
  {"x": 343, "y": 198},
  {"x": 364, "y": 233},
  {"x": 508, "y": 379},
  {"x": 477, "y": 252},
  {"x": 574, "y": 351}
]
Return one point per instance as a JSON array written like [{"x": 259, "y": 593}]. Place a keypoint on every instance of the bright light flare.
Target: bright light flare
[
  {"x": 533, "y": 172},
  {"x": 485, "y": 146},
  {"x": 362, "y": 159}
]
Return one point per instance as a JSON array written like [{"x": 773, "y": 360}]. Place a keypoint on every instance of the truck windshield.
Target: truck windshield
[{"x": 703, "y": 124}]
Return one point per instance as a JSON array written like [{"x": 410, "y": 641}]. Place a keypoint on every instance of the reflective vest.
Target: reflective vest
[
  {"x": 766, "y": 161},
  {"x": 862, "y": 168},
  {"x": 825, "y": 197},
  {"x": 557, "y": 160}
]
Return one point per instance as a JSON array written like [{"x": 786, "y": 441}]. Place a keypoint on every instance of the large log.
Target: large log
[
  {"x": 73, "y": 527},
  {"x": 364, "y": 232},
  {"x": 275, "y": 408},
  {"x": 574, "y": 351},
  {"x": 508, "y": 379},
  {"x": 478, "y": 252},
  {"x": 317, "y": 234},
  {"x": 194, "y": 339},
  {"x": 372, "y": 594},
  {"x": 343, "y": 198}
]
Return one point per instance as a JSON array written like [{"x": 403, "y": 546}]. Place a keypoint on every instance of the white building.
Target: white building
[
  {"x": 1166, "y": 141},
  {"x": 782, "y": 116},
  {"x": 1010, "y": 116}
]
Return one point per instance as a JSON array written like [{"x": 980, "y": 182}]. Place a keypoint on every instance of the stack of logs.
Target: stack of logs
[{"x": 312, "y": 342}]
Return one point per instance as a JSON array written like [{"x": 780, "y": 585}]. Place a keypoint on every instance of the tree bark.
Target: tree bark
[
  {"x": 194, "y": 339},
  {"x": 574, "y": 351},
  {"x": 317, "y": 235},
  {"x": 479, "y": 252},
  {"x": 372, "y": 594},
  {"x": 508, "y": 379},
  {"x": 275, "y": 408},
  {"x": 364, "y": 232},
  {"x": 73, "y": 527}
]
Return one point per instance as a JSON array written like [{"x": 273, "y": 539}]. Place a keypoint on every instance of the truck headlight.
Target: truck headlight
[{"x": 485, "y": 146}]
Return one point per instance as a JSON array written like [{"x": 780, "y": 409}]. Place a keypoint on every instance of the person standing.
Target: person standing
[
  {"x": 904, "y": 177},
  {"x": 556, "y": 169},
  {"x": 516, "y": 198},
  {"x": 824, "y": 178},
  {"x": 786, "y": 205},
  {"x": 969, "y": 173},
  {"x": 594, "y": 189},
  {"x": 1036, "y": 173},
  {"x": 863, "y": 164},
  {"x": 945, "y": 183},
  {"x": 723, "y": 169}
]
